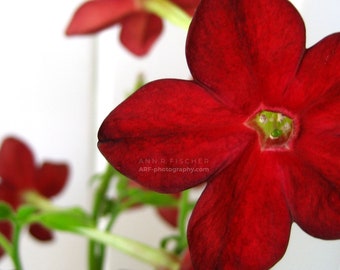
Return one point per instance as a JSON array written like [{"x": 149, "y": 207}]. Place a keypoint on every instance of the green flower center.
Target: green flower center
[{"x": 274, "y": 129}]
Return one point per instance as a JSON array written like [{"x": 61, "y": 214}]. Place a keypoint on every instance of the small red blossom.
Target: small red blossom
[
  {"x": 169, "y": 214},
  {"x": 186, "y": 261},
  {"x": 139, "y": 28},
  {"x": 20, "y": 174},
  {"x": 262, "y": 113}
]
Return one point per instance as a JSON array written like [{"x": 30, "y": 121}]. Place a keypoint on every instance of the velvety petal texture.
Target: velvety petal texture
[
  {"x": 173, "y": 132},
  {"x": 247, "y": 46},
  {"x": 241, "y": 220},
  {"x": 247, "y": 58},
  {"x": 19, "y": 174},
  {"x": 318, "y": 73}
]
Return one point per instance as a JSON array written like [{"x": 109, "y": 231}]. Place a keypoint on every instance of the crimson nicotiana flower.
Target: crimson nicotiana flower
[
  {"x": 139, "y": 28},
  {"x": 259, "y": 123},
  {"x": 20, "y": 174}
]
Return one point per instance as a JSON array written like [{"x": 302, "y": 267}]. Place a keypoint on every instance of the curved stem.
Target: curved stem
[
  {"x": 184, "y": 209},
  {"x": 152, "y": 256},
  {"x": 6, "y": 246},
  {"x": 167, "y": 10},
  {"x": 15, "y": 251},
  {"x": 96, "y": 251}
]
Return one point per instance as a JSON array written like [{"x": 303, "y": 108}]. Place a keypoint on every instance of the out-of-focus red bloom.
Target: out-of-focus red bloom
[
  {"x": 259, "y": 123},
  {"x": 168, "y": 214},
  {"x": 139, "y": 28},
  {"x": 186, "y": 263},
  {"x": 19, "y": 174}
]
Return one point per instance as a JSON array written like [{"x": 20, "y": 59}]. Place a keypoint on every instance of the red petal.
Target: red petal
[
  {"x": 318, "y": 73},
  {"x": 169, "y": 214},
  {"x": 96, "y": 15},
  {"x": 10, "y": 195},
  {"x": 246, "y": 51},
  {"x": 51, "y": 178},
  {"x": 314, "y": 201},
  {"x": 186, "y": 261},
  {"x": 40, "y": 232},
  {"x": 17, "y": 168},
  {"x": 188, "y": 5},
  {"x": 241, "y": 220},
  {"x": 169, "y": 125},
  {"x": 140, "y": 31},
  {"x": 318, "y": 143}
]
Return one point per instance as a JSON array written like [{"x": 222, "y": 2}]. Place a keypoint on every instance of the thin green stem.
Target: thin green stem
[
  {"x": 169, "y": 11},
  {"x": 114, "y": 214},
  {"x": 184, "y": 209},
  {"x": 152, "y": 256},
  {"x": 6, "y": 246},
  {"x": 96, "y": 251},
  {"x": 39, "y": 201},
  {"x": 16, "y": 250}
]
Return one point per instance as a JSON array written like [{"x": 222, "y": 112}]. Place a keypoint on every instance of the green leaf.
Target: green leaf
[
  {"x": 152, "y": 198},
  {"x": 6, "y": 211},
  {"x": 24, "y": 213},
  {"x": 64, "y": 220}
]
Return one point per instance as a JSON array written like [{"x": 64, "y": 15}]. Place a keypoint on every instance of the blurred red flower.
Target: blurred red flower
[
  {"x": 259, "y": 123},
  {"x": 139, "y": 28},
  {"x": 20, "y": 174}
]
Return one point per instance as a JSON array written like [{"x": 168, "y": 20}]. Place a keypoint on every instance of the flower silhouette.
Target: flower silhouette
[
  {"x": 259, "y": 123},
  {"x": 139, "y": 28},
  {"x": 19, "y": 174}
]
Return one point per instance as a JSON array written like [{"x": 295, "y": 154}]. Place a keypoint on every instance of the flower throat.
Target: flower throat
[{"x": 274, "y": 129}]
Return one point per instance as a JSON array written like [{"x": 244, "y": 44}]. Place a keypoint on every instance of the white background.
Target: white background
[{"x": 55, "y": 91}]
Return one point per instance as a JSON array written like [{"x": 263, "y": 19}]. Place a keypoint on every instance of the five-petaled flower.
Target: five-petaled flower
[
  {"x": 263, "y": 112},
  {"x": 139, "y": 27},
  {"x": 20, "y": 174}
]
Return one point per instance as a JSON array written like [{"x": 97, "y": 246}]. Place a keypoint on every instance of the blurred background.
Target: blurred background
[{"x": 54, "y": 93}]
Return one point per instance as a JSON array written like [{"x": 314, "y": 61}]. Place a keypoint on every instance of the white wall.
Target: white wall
[
  {"x": 51, "y": 96},
  {"x": 46, "y": 94}
]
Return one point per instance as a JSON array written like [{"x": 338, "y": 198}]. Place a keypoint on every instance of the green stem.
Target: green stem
[
  {"x": 184, "y": 209},
  {"x": 155, "y": 257},
  {"x": 167, "y": 10},
  {"x": 96, "y": 251},
  {"x": 39, "y": 201},
  {"x": 16, "y": 252},
  {"x": 6, "y": 246}
]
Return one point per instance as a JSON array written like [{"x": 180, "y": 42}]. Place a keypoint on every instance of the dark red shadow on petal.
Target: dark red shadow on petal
[{"x": 40, "y": 232}]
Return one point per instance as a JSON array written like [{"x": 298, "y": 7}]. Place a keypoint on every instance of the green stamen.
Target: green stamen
[{"x": 274, "y": 128}]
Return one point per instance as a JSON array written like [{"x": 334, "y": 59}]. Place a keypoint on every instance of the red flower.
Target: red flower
[
  {"x": 140, "y": 28},
  {"x": 259, "y": 123},
  {"x": 19, "y": 174},
  {"x": 186, "y": 261},
  {"x": 169, "y": 214}
]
